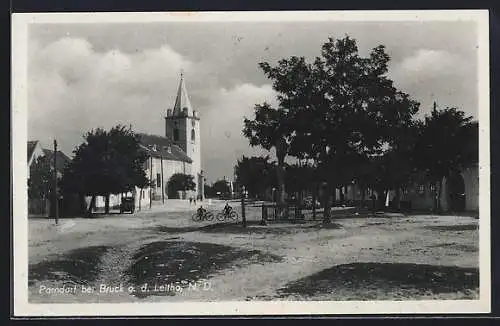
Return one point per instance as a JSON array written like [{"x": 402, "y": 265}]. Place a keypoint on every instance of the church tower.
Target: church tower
[{"x": 182, "y": 126}]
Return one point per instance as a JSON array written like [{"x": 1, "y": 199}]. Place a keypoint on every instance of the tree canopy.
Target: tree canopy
[
  {"x": 180, "y": 182},
  {"x": 448, "y": 142},
  {"x": 41, "y": 179},
  {"x": 107, "y": 162},
  {"x": 221, "y": 186},
  {"x": 338, "y": 110},
  {"x": 256, "y": 173}
]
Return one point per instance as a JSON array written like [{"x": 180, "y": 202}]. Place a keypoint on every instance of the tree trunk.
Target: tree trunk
[
  {"x": 327, "y": 204},
  {"x": 81, "y": 202},
  {"x": 281, "y": 184},
  {"x": 363, "y": 199},
  {"x": 438, "y": 196},
  {"x": 397, "y": 200},
  {"x": 280, "y": 155},
  {"x": 91, "y": 205},
  {"x": 314, "y": 198},
  {"x": 106, "y": 204}
]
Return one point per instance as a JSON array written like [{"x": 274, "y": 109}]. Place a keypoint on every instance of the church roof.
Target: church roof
[
  {"x": 182, "y": 100},
  {"x": 158, "y": 146}
]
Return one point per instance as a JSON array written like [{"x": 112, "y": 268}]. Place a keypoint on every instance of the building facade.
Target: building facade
[{"x": 459, "y": 192}]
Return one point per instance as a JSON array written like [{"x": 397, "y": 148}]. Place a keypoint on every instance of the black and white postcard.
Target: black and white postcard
[{"x": 251, "y": 163}]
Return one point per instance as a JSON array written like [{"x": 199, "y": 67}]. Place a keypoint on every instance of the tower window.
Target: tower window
[
  {"x": 193, "y": 135},
  {"x": 176, "y": 134},
  {"x": 158, "y": 180}
]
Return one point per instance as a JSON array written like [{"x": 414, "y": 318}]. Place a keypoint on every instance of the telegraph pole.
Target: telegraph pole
[
  {"x": 151, "y": 183},
  {"x": 243, "y": 215},
  {"x": 56, "y": 199},
  {"x": 162, "y": 187}
]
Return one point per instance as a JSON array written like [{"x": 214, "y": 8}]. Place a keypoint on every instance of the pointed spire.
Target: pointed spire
[{"x": 182, "y": 100}]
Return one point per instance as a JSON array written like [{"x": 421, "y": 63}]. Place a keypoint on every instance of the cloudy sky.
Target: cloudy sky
[{"x": 83, "y": 76}]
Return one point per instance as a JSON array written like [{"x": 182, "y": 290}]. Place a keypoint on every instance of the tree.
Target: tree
[
  {"x": 208, "y": 190},
  {"x": 394, "y": 167},
  {"x": 341, "y": 108},
  {"x": 269, "y": 130},
  {"x": 299, "y": 177},
  {"x": 180, "y": 182},
  {"x": 41, "y": 180},
  {"x": 107, "y": 162},
  {"x": 448, "y": 142},
  {"x": 221, "y": 186},
  {"x": 256, "y": 173}
]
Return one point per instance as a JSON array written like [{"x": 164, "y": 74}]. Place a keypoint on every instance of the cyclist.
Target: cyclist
[
  {"x": 227, "y": 209},
  {"x": 201, "y": 211}
]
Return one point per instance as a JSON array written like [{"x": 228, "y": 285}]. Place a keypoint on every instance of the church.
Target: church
[{"x": 178, "y": 151}]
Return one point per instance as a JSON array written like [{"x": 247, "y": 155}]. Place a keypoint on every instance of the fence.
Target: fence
[{"x": 282, "y": 212}]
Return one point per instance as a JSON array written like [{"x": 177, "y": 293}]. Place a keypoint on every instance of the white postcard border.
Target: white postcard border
[{"x": 20, "y": 23}]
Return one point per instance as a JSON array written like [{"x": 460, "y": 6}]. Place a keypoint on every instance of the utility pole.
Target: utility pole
[
  {"x": 151, "y": 182},
  {"x": 162, "y": 187},
  {"x": 243, "y": 216},
  {"x": 56, "y": 199}
]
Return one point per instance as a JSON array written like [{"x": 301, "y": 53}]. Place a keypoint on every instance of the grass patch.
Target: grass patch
[
  {"x": 179, "y": 263},
  {"x": 368, "y": 281},
  {"x": 79, "y": 266}
]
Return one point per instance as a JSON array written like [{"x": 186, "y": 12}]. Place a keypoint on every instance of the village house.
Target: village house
[{"x": 460, "y": 192}]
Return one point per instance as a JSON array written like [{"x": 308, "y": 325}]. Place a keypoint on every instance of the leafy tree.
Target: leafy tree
[
  {"x": 341, "y": 108},
  {"x": 270, "y": 130},
  {"x": 180, "y": 182},
  {"x": 299, "y": 177},
  {"x": 256, "y": 173},
  {"x": 221, "y": 186},
  {"x": 107, "y": 162},
  {"x": 209, "y": 192},
  {"x": 41, "y": 180},
  {"x": 448, "y": 142}
]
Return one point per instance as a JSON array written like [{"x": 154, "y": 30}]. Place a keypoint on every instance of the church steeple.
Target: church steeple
[{"x": 182, "y": 104}]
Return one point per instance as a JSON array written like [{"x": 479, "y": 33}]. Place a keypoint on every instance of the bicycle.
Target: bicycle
[
  {"x": 222, "y": 216},
  {"x": 205, "y": 216}
]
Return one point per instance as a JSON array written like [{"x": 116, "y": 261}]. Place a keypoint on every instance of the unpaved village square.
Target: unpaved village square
[{"x": 162, "y": 255}]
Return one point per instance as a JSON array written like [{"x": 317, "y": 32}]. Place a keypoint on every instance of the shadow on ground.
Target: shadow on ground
[
  {"x": 79, "y": 266},
  {"x": 462, "y": 227},
  {"x": 456, "y": 246},
  {"x": 253, "y": 227},
  {"x": 390, "y": 281},
  {"x": 180, "y": 263}
]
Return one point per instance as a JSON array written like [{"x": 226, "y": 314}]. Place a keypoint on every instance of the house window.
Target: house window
[
  {"x": 176, "y": 134},
  {"x": 158, "y": 180},
  {"x": 193, "y": 135},
  {"x": 421, "y": 189}
]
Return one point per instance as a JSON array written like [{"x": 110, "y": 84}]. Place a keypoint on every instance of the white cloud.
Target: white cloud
[
  {"x": 223, "y": 142},
  {"x": 73, "y": 88},
  {"x": 437, "y": 75}
]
